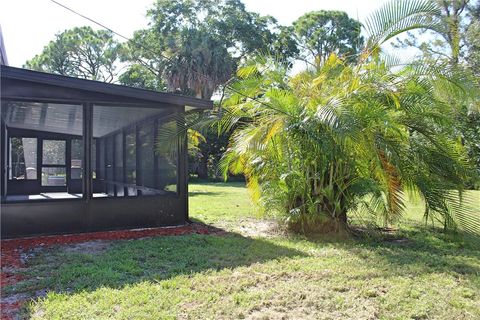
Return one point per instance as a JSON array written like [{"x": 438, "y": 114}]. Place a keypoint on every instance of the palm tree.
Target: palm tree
[
  {"x": 198, "y": 64},
  {"x": 321, "y": 144}
]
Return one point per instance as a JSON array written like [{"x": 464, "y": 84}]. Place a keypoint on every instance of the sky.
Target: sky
[{"x": 28, "y": 25}]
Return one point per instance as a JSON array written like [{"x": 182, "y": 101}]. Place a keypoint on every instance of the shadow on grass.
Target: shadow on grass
[
  {"x": 230, "y": 184},
  {"x": 212, "y": 185},
  {"x": 127, "y": 262},
  {"x": 424, "y": 250},
  {"x": 417, "y": 250},
  {"x": 204, "y": 193}
]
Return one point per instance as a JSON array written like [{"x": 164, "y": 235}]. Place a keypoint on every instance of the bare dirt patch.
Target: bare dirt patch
[
  {"x": 89, "y": 247},
  {"x": 251, "y": 227}
]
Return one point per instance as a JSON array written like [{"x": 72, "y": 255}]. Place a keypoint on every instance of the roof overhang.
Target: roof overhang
[{"x": 43, "y": 80}]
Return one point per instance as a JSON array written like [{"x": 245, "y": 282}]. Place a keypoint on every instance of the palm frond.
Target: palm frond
[{"x": 396, "y": 17}]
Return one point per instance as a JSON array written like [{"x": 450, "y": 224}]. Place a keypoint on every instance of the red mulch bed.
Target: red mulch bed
[{"x": 12, "y": 249}]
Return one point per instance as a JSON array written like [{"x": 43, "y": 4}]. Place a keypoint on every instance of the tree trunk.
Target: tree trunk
[
  {"x": 202, "y": 169},
  {"x": 342, "y": 217}
]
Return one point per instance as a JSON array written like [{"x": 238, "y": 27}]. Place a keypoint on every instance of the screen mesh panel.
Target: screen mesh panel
[
  {"x": 48, "y": 117},
  {"x": 130, "y": 152}
]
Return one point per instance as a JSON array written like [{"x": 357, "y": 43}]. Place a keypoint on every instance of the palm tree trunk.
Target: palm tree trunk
[{"x": 202, "y": 169}]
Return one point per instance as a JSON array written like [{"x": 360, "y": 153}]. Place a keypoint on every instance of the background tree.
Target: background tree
[
  {"x": 321, "y": 33},
  {"x": 80, "y": 52},
  {"x": 285, "y": 48},
  {"x": 198, "y": 63},
  {"x": 137, "y": 76},
  {"x": 472, "y": 39},
  {"x": 448, "y": 39},
  {"x": 203, "y": 41}
]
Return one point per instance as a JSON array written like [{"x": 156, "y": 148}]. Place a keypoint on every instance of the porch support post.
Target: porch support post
[
  {"x": 182, "y": 168},
  {"x": 87, "y": 150}
]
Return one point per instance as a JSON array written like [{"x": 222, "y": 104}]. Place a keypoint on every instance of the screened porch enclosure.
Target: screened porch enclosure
[
  {"x": 46, "y": 150},
  {"x": 81, "y": 155}
]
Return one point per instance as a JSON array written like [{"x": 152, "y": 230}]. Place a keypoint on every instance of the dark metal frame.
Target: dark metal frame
[
  {"x": 90, "y": 214},
  {"x": 41, "y": 136},
  {"x": 44, "y": 165}
]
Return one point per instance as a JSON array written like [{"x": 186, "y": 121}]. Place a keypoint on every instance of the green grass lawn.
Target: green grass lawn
[
  {"x": 268, "y": 276},
  {"x": 220, "y": 203}
]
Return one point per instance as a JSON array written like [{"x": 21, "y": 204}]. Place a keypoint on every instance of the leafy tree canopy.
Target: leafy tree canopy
[
  {"x": 203, "y": 41},
  {"x": 322, "y": 33},
  {"x": 228, "y": 20},
  {"x": 137, "y": 76},
  {"x": 454, "y": 35},
  {"x": 80, "y": 52}
]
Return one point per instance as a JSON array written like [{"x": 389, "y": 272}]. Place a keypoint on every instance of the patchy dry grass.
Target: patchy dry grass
[{"x": 250, "y": 272}]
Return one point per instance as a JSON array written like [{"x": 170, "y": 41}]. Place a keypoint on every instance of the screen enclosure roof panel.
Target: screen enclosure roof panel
[{"x": 68, "y": 119}]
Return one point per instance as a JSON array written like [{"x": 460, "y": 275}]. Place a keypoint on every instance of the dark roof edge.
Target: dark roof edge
[{"x": 102, "y": 87}]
